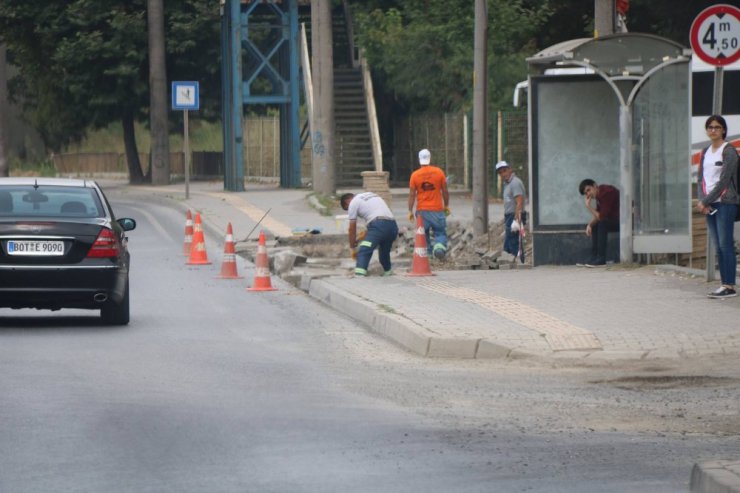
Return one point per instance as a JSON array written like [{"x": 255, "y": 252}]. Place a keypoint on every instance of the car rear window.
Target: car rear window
[{"x": 49, "y": 201}]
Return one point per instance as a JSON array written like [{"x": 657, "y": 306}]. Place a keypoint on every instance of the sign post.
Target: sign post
[
  {"x": 715, "y": 38},
  {"x": 185, "y": 96}
]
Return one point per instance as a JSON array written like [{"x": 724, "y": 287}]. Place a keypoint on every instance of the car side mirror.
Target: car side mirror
[{"x": 127, "y": 223}]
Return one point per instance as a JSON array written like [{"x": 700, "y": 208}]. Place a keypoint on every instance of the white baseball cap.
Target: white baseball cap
[
  {"x": 425, "y": 157},
  {"x": 502, "y": 164}
]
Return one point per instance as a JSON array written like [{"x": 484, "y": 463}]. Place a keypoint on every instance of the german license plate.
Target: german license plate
[{"x": 38, "y": 248}]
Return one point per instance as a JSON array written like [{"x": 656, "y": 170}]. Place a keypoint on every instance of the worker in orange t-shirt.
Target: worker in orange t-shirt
[{"x": 428, "y": 189}]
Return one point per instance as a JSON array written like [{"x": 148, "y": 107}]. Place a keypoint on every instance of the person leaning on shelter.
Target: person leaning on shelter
[
  {"x": 382, "y": 229},
  {"x": 513, "y": 209},
  {"x": 428, "y": 189},
  {"x": 718, "y": 197},
  {"x": 604, "y": 218}
]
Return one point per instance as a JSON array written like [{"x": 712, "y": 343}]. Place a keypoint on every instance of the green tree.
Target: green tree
[
  {"x": 422, "y": 50},
  {"x": 80, "y": 64},
  {"x": 83, "y": 63},
  {"x": 666, "y": 18}
]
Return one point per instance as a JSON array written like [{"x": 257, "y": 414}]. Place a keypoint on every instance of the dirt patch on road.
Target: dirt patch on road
[{"x": 668, "y": 382}]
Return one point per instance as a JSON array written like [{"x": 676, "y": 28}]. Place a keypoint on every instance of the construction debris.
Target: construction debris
[{"x": 298, "y": 257}]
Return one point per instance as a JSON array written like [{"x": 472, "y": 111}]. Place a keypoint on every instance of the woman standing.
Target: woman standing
[{"x": 718, "y": 197}]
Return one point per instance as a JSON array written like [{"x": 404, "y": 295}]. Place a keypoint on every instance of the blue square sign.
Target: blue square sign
[{"x": 185, "y": 96}]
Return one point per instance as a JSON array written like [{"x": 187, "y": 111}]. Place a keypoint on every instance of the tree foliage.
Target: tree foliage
[
  {"x": 423, "y": 49},
  {"x": 667, "y": 18},
  {"x": 80, "y": 63},
  {"x": 84, "y": 63}
]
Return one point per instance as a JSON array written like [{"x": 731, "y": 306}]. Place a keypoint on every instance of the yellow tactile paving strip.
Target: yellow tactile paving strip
[
  {"x": 254, "y": 213},
  {"x": 560, "y": 335}
]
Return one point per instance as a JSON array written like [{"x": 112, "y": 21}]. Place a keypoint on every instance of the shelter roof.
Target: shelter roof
[{"x": 615, "y": 54}]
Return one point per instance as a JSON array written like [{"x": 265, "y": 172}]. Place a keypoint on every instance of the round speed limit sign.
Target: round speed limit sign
[{"x": 715, "y": 35}]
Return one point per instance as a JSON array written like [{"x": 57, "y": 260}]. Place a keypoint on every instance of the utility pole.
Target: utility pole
[
  {"x": 322, "y": 72},
  {"x": 605, "y": 17},
  {"x": 4, "y": 167},
  {"x": 480, "y": 120},
  {"x": 160, "y": 146}
]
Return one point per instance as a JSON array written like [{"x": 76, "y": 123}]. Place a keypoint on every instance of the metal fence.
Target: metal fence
[
  {"x": 445, "y": 137},
  {"x": 204, "y": 164},
  {"x": 448, "y": 136},
  {"x": 509, "y": 142},
  {"x": 261, "y": 137}
]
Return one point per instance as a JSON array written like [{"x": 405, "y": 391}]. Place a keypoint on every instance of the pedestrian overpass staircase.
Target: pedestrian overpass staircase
[{"x": 353, "y": 142}]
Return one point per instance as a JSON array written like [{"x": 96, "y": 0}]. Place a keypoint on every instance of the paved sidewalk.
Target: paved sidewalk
[
  {"x": 551, "y": 311},
  {"x": 558, "y": 312},
  {"x": 590, "y": 314}
]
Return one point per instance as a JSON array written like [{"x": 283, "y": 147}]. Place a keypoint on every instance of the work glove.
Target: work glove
[
  {"x": 411, "y": 216},
  {"x": 447, "y": 211}
]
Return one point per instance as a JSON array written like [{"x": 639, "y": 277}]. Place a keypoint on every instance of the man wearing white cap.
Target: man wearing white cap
[
  {"x": 513, "y": 209},
  {"x": 428, "y": 189}
]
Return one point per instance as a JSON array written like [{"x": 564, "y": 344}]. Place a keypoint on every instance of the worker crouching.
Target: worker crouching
[{"x": 382, "y": 229}]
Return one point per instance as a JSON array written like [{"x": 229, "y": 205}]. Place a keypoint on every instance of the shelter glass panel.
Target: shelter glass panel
[
  {"x": 576, "y": 135},
  {"x": 661, "y": 163}
]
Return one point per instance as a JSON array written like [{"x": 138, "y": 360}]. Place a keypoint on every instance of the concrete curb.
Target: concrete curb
[
  {"x": 404, "y": 331},
  {"x": 388, "y": 324},
  {"x": 717, "y": 476}
]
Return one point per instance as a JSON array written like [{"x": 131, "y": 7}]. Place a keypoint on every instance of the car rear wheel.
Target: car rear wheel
[{"x": 114, "y": 313}]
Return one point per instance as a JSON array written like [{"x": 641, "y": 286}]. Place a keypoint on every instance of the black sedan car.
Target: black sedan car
[{"x": 62, "y": 247}]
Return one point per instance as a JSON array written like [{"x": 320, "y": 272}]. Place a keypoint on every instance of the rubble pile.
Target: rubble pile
[
  {"x": 302, "y": 257},
  {"x": 465, "y": 251}
]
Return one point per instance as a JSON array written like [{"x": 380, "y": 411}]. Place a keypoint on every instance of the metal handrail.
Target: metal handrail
[
  {"x": 307, "y": 83},
  {"x": 372, "y": 117}
]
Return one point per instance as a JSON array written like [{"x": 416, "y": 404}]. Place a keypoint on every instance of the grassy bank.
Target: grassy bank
[{"x": 204, "y": 136}]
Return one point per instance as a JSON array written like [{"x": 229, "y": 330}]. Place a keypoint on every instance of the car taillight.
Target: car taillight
[{"x": 106, "y": 245}]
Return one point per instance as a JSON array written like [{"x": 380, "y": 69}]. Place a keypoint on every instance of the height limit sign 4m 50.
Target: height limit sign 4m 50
[{"x": 715, "y": 35}]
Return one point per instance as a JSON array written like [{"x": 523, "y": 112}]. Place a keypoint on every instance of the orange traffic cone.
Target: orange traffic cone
[
  {"x": 198, "y": 255},
  {"x": 188, "y": 233},
  {"x": 228, "y": 267},
  {"x": 420, "y": 262},
  {"x": 262, "y": 268}
]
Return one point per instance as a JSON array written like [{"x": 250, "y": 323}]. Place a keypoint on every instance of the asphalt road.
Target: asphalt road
[{"x": 215, "y": 389}]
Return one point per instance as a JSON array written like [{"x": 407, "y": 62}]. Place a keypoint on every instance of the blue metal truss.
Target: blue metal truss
[{"x": 260, "y": 67}]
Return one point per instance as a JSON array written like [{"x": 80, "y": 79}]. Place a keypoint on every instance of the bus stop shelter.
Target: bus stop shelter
[{"x": 615, "y": 109}]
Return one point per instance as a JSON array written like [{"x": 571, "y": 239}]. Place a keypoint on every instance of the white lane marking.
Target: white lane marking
[{"x": 153, "y": 220}]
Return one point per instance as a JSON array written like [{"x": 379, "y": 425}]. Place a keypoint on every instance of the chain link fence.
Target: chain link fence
[
  {"x": 261, "y": 151},
  {"x": 509, "y": 141},
  {"x": 444, "y": 135},
  {"x": 448, "y": 136}
]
